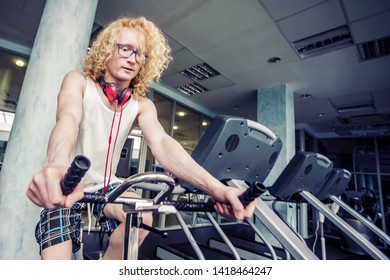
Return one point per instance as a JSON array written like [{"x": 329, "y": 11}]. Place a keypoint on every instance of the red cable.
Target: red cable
[
  {"x": 105, "y": 189},
  {"x": 113, "y": 149}
]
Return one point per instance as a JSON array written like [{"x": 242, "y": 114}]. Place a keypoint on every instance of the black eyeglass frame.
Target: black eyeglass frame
[{"x": 132, "y": 51}]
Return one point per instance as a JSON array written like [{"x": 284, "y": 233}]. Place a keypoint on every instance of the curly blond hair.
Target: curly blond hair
[{"x": 156, "y": 47}]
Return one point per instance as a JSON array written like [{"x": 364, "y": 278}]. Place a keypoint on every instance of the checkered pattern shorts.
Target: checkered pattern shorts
[{"x": 59, "y": 225}]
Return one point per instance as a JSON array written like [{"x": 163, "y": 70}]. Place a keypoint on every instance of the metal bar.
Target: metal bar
[
  {"x": 378, "y": 176},
  {"x": 190, "y": 238},
  {"x": 261, "y": 236},
  {"x": 223, "y": 235},
  {"x": 283, "y": 233},
  {"x": 278, "y": 228},
  {"x": 363, "y": 220},
  {"x": 145, "y": 177},
  {"x": 302, "y": 220},
  {"x": 130, "y": 251},
  {"x": 342, "y": 225}
]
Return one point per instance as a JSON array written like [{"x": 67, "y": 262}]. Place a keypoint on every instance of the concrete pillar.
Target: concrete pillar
[
  {"x": 275, "y": 110},
  {"x": 60, "y": 46}
]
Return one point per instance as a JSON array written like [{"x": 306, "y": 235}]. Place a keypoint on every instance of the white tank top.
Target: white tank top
[{"x": 94, "y": 132}]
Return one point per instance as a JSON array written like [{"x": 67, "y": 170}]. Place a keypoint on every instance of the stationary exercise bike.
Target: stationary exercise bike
[{"x": 133, "y": 207}]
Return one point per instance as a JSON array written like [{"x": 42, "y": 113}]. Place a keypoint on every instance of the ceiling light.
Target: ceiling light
[
  {"x": 181, "y": 114},
  {"x": 236, "y": 107},
  {"x": 20, "y": 62},
  {"x": 307, "y": 95},
  {"x": 192, "y": 89},
  {"x": 204, "y": 123},
  {"x": 274, "y": 59},
  {"x": 321, "y": 114},
  {"x": 200, "y": 72},
  {"x": 175, "y": 127},
  {"x": 324, "y": 42}
]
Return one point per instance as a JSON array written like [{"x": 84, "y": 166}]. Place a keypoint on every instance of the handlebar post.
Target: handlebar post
[{"x": 132, "y": 226}]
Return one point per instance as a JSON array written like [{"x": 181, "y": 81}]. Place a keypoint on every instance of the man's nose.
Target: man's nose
[{"x": 132, "y": 58}]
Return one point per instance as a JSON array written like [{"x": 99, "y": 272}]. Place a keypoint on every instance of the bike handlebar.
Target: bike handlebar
[
  {"x": 75, "y": 173},
  {"x": 250, "y": 194},
  {"x": 81, "y": 164}
]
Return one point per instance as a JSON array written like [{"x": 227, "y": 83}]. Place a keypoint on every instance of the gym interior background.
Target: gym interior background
[{"x": 333, "y": 54}]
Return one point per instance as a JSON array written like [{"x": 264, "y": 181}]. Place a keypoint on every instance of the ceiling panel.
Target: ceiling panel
[
  {"x": 184, "y": 59},
  {"x": 381, "y": 100},
  {"x": 216, "y": 22},
  {"x": 363, "y": 30},
  {"x": 175, "y": 80},
  {"x": 279, "y": 9},
  {"x": 326, "y": 16},
  {"x": 216, "y": 82},
  {"x": 351, "y": 99},
  {"x": 173, "y": 44},
  {"x": 359, "y": 9}
]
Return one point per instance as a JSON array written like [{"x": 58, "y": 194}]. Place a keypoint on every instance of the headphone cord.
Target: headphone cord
[{"x": 106, "y": 183}]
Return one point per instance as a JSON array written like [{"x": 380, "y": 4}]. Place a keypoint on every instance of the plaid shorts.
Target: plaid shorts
[{"x": 59, "y": 225}]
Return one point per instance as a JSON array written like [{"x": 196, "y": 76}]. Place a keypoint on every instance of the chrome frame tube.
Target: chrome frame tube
[
  {"x": 344, "y": 226},
  {"x": 363, "y": 220}
]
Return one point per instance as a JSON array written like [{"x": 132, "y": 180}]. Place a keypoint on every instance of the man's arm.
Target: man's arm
[
  {"x": 171, "y": 155},
  {"x": 44, "y": 189}
]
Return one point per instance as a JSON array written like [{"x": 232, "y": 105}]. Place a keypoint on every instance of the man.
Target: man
[{"x": 99, "y": 108}]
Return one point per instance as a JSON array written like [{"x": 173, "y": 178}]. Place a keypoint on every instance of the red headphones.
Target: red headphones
[{"x": 113, "y": 93}]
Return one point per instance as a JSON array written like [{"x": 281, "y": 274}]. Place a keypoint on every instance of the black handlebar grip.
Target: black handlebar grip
[
  {"x": 192, "y": 206},
  {"x": 75, "y": 173},
  {"x": 251, "y": 193},
  {"x": 94, "y": 198}
]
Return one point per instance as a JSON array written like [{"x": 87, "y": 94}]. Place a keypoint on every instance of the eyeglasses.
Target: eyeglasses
[{"x": 127, "y": 51}]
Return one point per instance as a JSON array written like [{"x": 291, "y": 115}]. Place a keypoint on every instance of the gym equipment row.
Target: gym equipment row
[{"x": 241, "y": 153}]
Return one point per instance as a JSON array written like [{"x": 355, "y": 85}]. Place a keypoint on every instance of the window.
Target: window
[
  {"x": 12, "y": 71},
  {"x": 188, "y": 126}
]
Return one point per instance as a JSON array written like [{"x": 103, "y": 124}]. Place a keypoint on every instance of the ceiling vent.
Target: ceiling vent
[
  {"x": 370, "y": 131},
  {"x": 200, "y": 72},
  {"x": 324, "y": 42},
  {"x": 366, "y": 119},
  {"x": 363, "y": 130},
  {"x": 374, "y": 49},
  {"x": 192, "y": 89},
  {"x": 356, "y": 110}
]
